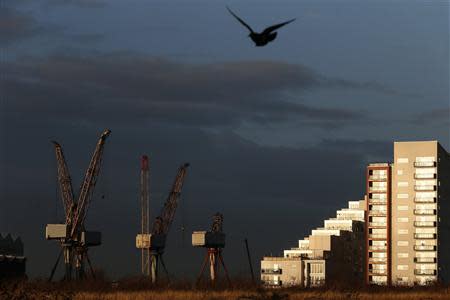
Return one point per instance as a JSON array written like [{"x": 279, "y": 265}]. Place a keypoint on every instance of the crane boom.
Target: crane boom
[
  {"x": 164, "y": 220},
  {"x": 65, "y": 183},
  {"x": 88, "y": 184}
]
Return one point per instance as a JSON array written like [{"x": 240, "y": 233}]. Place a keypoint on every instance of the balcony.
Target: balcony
[
  {"x": 424, "y": 272},
  {"x": 271, "y": 271},
  {"x": 425, "y": 260},
  {"x": 377, "y": 224},
  {"x": 378, "y": 177},
  {"x": 425, "y": 224},
  {"x": 428, "y": 212},
  {"x": 382, "y": 260},
  {"x": 377, "y": 189},
  {"x": 377, "y": 212},
  {"x": 424, "y": 235},
  {"x": 424, "y": 247},
  {"x": 425, "y": 187},
  {"x": 272, "y": 282},
  {"x": 425, "y": 200},
  {"x": 377, "y": 248},
  {"x": 377, "y": 236},
  {"x": 377, "y": 201},
  {"x": 377, "y": 272},
  {"x": 424, "y": 164},
  {"x": 424, "y": 176}
]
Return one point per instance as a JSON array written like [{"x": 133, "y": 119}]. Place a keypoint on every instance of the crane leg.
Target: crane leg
[
  {"x": 68, "y": 263},
  {"x": 154, "y": 267},
  {"x": 79, "y": 257},
  {"x": 205, "y": 261},
  {"x": 164, "y": 267},
  {"x": 212, "y": 265},
  {"x": 55, "y": 266},
  {"x": 224, "y": 268},
  {"x": 90, "y": 266}
]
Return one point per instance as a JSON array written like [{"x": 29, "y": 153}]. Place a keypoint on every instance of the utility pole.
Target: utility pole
[{"x": 249, "y": 260}]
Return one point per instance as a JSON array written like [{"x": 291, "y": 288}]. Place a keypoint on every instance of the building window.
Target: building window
[
  {"x": 317, "y": 268},
  {"x": 402, "y": 220},
  {"x": 402, "y": 160},
  {"x": 402, "y": 207},
  {"x": 403, "y": 231},
  {"x": 402, "y": 196},
  {"x": 402, "y": 184},
  {"x": 402, "y": 255},
  {"x": 399, "y": 172},
  {"x": 402, "y": 243}
]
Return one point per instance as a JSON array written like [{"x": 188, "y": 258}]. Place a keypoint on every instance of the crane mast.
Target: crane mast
[{"x": 144, "y": 235}]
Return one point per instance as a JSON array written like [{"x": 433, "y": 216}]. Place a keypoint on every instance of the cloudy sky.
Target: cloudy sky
[{"x": 278, "y": 137}]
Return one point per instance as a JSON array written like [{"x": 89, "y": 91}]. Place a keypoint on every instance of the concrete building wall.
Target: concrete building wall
[
  {"x": 419, "y": 201},
  {"x": 443, "y": 177}
]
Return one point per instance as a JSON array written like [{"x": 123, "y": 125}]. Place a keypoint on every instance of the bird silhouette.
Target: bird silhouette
[{"x": 266, "y": 36}]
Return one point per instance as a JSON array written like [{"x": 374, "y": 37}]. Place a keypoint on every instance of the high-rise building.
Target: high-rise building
[
  {"x": 378, "y": 224},
  {"x": 420, "y": 213}
]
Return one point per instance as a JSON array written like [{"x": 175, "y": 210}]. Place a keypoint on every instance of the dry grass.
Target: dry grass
[
  {"x": 267, "y": 295},
  {"x": 136, "y": 289}
]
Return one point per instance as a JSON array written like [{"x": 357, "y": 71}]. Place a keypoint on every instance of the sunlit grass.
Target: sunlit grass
[{"x": 138, "y": 289}]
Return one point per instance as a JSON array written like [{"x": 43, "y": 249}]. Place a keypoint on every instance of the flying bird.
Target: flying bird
[{"x": 265, "y": 37}]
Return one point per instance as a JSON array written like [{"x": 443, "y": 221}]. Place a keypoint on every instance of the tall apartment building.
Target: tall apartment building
[
  {"x": 378, "y": 224},
  {"x": 420, "y": 213},
  {"x": 408, "y": 209}
]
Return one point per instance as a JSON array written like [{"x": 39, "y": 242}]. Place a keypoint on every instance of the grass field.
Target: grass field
[{"x": 138, "y": 290}]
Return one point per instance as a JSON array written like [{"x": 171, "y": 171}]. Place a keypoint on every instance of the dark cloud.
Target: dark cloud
[
  {"x": 76, "y": 3},
  {"x": 16, "y": 25},
  {"x": 441, "y": 115},
  {"x": 131, "y": 88}
]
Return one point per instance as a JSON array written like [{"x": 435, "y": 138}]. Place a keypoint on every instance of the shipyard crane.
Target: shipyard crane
[
  {"x": 214, "y": 241},
  {"x": 72, "y": 235},
  {"x": 156, "y": 240}
]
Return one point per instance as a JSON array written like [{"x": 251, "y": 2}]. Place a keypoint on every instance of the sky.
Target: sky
[{"x": 278, "y": 137}]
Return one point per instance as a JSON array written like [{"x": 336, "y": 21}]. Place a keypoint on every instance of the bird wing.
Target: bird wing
[
  {"x": 275, "y": 27},
  {"x": 240, "y": 20}
]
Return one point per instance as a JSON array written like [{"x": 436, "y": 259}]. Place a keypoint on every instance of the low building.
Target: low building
[
  {"x": 322, "y": 257},
  {"x": 12, "y": 259}
]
